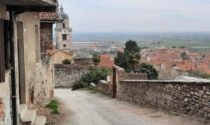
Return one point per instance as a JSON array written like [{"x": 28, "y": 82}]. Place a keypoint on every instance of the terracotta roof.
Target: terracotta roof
[
  {"x": 48, "y": 16},
  {"x": 106, "y": 61}
]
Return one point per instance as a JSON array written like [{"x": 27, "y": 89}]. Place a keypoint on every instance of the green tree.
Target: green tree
[
  {"x": 132, "y": 60},
  {"x": 148, "y": 69},
  {"x": 132, "y": 55},
  {"x": 131, "y": 46},
  {"x": 184, "y": 56},
  {"x": 120, "y": 60},
  {"x": 96, "y": 58}
]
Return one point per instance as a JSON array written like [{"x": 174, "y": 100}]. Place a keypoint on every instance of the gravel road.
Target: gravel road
[{"x": 96, "y": 109}]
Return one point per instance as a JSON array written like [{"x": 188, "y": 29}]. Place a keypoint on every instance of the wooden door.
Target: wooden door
[{"x": 21, "y": 63}]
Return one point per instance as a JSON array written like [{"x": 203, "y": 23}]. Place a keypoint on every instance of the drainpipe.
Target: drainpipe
[{"x": 13, "y": 77}]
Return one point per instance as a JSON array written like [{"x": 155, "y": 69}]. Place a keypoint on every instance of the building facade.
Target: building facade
[
  {"x": 63, "y": 32},
  {"x": 24, "y": 82}
]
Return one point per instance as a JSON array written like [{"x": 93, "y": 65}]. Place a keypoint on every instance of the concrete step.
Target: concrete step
[
  {"x": 40, "y": 120},
  {"x": 28, "y": 116},
  {"x": 21, "y": 108}
]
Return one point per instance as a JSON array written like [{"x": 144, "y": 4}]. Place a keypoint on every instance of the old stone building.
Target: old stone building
[
  {"x": 63, "y": 32},
  {"x": 25, "y": 81}
]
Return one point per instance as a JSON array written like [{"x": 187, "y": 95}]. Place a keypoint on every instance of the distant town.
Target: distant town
[{"x": 170, "y": 62}]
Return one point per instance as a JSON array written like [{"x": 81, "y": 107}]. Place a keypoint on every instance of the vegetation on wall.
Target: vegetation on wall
[
  {"x": 66, "y": 61},
  {"x": 148, "y": 69},
  {"x": 199, "y": 74},
  {"x": 53, "y": 106},
  {"x": 94, "y": 76},
  {"x": 96, "y": 58}
]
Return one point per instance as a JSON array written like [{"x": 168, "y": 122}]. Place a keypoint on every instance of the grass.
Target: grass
[{"x": 53, "y": 106}]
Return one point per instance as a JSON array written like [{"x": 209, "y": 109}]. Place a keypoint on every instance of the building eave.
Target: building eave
[{"x": 31, "y": 5}]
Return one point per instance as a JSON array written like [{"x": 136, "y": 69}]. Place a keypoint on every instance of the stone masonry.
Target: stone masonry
[
  {"x": 191, "y": 98},
  {"x": 67, "y": 75}
]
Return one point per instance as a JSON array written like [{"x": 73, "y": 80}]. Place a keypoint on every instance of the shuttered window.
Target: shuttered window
[{"x": 2, "y": 52}]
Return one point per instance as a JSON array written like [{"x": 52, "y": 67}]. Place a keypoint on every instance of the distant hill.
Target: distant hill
[{"x": 200, "y": 39}]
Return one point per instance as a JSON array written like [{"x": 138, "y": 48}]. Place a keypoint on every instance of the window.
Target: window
[
  {"x": 64, "y": 37},
  {"x": 64, "y": 25}
]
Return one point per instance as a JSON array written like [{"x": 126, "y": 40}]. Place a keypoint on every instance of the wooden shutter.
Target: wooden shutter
[{"x": 2, "y": 59}]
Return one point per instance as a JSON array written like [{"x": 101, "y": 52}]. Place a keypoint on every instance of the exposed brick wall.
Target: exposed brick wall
[
  {"x": 192, "y": 98},
  {"x": 46, "y": 38},
  {"x": 67, "y": 75}
]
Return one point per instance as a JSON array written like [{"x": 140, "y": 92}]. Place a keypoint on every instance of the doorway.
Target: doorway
[{"x": 21, "y": 63}]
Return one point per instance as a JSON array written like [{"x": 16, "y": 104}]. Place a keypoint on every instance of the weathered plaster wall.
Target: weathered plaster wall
[
  {"x": 44, "y": 88},
  {"x": 5, "y": 116},
  {"x": 67, "y": 75},
  {"x": 38, "y": 75},
  {"x": 29, "y": 19},
  {"x": 3, "y": 13},
  {"x": 192, "y": 98}
]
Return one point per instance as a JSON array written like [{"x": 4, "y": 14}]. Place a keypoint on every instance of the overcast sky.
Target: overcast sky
[{"x": 138, "y": 15}]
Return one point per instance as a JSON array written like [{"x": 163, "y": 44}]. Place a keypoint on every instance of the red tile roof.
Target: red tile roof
[
  {"x": 106, "y": 61},
  {"x": 48, "y": 16}
]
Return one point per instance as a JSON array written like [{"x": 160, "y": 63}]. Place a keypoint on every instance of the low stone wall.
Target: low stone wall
[
  {"x": 104, "y": 87},
  {"x": 67, "y": 75},
  {"x": 132, "y": 76},
  {"x": 192, "y": 98}
]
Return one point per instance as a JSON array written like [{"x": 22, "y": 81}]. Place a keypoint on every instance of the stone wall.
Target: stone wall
[
  {"x": 192, "y": 98},
  {"x": 133, "y": 76},
  {"x": 67, "y": 75},
  {"x": 104, "y": 87}
]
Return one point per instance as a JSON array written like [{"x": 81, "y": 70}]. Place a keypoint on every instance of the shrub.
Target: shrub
[
  {"x": 66, "y": 61},
  {"x": 199, "y": 74},
  {"x": 78, "y": 86},
  {"x": 94, "y": 76},
  {"x": 53, "y": 106},
  {"x": 149, "y": 70},
  {"x": 96, "y": 58}
]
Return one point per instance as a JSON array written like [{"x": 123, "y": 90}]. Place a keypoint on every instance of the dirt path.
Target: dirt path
[{"x": 97, "y": 109}]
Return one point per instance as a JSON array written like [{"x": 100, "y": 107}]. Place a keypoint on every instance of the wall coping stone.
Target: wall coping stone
[
  {"x": 73, "y": 66},
  {"x": 162, "y": 81}
]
